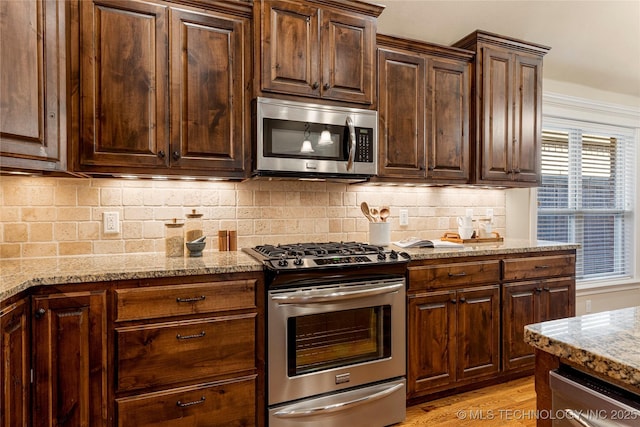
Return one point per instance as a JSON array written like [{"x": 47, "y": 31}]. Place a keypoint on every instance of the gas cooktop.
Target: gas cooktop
[{"x": 324, "y": 255}]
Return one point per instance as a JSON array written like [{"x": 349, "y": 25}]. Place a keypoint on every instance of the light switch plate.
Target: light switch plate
[
  {"x": 404, "y": 217},
  {"x": 111, "y": 222}
]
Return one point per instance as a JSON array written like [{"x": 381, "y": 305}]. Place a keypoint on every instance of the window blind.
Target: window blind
[{"x": 586, "y": 197}]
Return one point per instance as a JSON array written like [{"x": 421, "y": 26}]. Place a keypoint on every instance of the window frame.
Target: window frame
[{"x": 563, "y": 110}]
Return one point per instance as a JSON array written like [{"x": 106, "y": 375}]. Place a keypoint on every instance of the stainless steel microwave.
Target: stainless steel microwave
[{"x": 296, "y": 139}]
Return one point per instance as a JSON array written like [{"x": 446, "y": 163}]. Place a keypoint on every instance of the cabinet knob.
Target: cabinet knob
[
  {"x": 453, "y": 301},
  {"x": 538, "y": 290},
  {"x": 161, "y": 154},
  {"x": 463, "y": 299},
  {"x": 175, "y": 155},
  {"x": 315, "y": 85},
  {"x": 40, "y": 313},
  {"x": 326, "y": 86}
]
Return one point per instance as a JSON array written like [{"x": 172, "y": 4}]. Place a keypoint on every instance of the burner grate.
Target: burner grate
[{"x": 317, "y": 249}]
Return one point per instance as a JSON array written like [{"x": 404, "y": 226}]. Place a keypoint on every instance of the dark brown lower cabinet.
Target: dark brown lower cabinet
[
  {"x": 70, "y": 359},
  {"x": 466, "y": 317},
  {"x": 188, "y": 353},
  {"x": 218, "y": 404},
  {"x": 532, "y": 302},
  {"x": 14, "y": 369},
  {"x": 454, "y": 337}
]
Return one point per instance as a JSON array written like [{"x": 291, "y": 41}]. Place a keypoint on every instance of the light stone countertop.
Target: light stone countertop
[
  {"x": 19, "y": 274},
  {"x": 607, "y": 343},
  {"x": 507, "y": 247}
]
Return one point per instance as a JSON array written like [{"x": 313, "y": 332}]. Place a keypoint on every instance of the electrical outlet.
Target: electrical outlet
[
  {"x": 404, "y": 217},
  {"x": 587, "y": 306},
  {"x": 111, "y": 222}
]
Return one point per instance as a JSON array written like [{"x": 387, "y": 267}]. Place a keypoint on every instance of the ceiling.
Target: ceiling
[{"x": 594, "y": 43}]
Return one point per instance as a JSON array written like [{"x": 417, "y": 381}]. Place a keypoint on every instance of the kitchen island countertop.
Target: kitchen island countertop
[
  {"x": 20, "y": 274},
  {"x": 605, "y": 343}
]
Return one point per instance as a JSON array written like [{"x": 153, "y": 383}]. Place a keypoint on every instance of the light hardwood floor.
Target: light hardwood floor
[{"x": 510, "y": 404}]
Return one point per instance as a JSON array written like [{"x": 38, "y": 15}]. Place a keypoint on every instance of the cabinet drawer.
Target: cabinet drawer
[
  {"x": 169, "y": 353},
  {"x": 540, "y": 266},
  {"x": 446, "y": 275},
  {"x": 176, "y": 300},
  {"x": 223, "y": 403}
]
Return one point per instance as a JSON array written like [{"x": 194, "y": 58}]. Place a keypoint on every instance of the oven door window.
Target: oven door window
[
  {"x": 291, "y": 139},
  {"x": 328, "y": 340}
]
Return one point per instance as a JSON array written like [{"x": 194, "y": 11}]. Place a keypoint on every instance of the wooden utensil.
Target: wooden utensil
[
  {"x": 364, "y": 207},
  {"x": 384, "y": 213}
]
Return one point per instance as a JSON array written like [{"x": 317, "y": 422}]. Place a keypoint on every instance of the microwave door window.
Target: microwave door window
[{"x": 290, "y": 139}]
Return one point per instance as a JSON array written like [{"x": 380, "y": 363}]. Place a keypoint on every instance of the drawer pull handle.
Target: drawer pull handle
[
  {"x": 542, "y": 267},
  {"x": 457, "y": 274},
  {"x": 194, "y": 299},
  {"x": 189, "y": 337},
  {"x": 195, "y": 402}
]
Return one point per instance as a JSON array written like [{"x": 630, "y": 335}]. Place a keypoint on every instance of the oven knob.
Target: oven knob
[
  {"x": 298, "y": 260},
  {"x": 282, "y": 262},
  {"x": 405, "y": 255},
  {"x": 381, "y": 256}
]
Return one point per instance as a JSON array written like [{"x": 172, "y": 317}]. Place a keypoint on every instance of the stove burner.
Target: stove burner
[
  {"x": 313, "y": 256},
  {"x": 317, "y": 249}
]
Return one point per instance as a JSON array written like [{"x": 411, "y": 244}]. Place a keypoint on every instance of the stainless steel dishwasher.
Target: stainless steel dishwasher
[{"x": 580, "y": 400}]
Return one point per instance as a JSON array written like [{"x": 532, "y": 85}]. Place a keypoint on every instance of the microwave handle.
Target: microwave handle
[{"x": 352, "y": 143}]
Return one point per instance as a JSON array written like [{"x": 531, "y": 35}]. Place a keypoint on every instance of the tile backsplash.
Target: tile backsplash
[{"x": 46, "y": 216}]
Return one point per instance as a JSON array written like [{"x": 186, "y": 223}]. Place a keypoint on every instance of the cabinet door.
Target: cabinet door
[
  {"x": 348, "y": 50},
  {"x": 70, "y": 362},
  {"x": 401, "y": 113},
  {"x": 14, "y": 369},
  {"x": 432, "y": 337},
  {"x": 448, "y": 90},
  {"x": 124, "y": 84},
  {"x": 209, "y": 58},
  {"x": 290, "y": 44},
  {"x": 32, "y": 85},
  {"x": 478, "y": 328},
  {"x": 558, "y": 299},
  {"x": 521, "y": 306},
  {"x": 527, "y": 118},
  {"x": 497, "y": 115}
]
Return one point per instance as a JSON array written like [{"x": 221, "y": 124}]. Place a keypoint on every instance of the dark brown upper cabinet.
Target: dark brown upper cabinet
[
  {"x": 164, "y": 88},
  {"x": 318, "y": 49},
  {"x": 424, "y": 107},
  {"x": 33, "y": 101},
  {"x": 507, "y": 97}
]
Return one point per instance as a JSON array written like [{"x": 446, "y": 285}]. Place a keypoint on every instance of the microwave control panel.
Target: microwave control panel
[{"x": 364, "y": 145}]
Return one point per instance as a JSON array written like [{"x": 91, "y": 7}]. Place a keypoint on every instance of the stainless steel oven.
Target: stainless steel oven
[
  {"x": 336, "y": 337},
  {"x": 315, "y": 141}
]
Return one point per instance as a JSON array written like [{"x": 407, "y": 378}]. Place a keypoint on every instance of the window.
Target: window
[{"x": 586, "y": 195}]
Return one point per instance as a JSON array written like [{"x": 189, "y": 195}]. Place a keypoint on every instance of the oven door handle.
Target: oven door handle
[
  {"x": 339, "y": 406},
  {"x": 312, "y": 297}
]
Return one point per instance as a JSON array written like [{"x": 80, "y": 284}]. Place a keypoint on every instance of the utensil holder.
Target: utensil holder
[{"x": 380, "y": 233}]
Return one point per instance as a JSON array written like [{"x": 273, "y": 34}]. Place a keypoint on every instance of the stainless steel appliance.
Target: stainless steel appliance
[
  {"x": 315, "y": 141},
  {"x": 335, "y": 334},
  {"x": 579, "y": 400}
]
